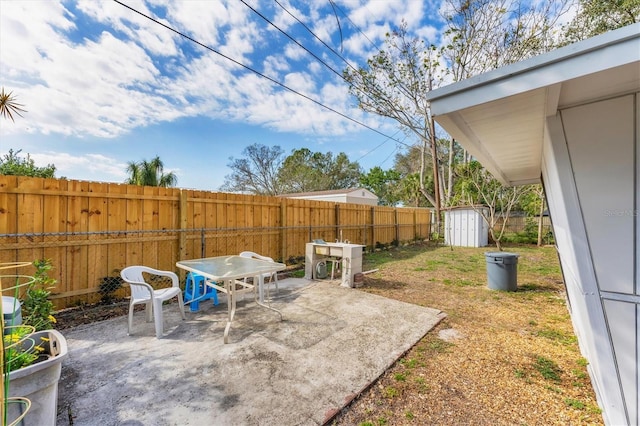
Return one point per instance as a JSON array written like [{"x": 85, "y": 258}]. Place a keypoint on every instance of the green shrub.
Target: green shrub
[{"x": 37, "y": 309}]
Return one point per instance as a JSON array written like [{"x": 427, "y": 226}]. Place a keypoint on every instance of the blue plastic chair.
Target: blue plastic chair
[{"x": 196, "y": 291}]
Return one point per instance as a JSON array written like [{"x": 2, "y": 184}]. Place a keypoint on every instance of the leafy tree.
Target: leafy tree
[
  {"x": 599, "y": 16},
  {"x": 394, "y": 85},
  {"x": 9, "y": 106},
  {"x": 482, "y": 35},
  {"x": 409, "y": 191},
  {"x": 14, "y": 165},
  {"x": 257, "y": 173},
  {"x": 408, "y": 161},
  {"x": 150, "y": 173},
  {"x": 487, "y": 196},
  {"x": 384, "y": 183},
  {"x": 533, "y": 203},
  {"x": 305, "y": 171},
  {"x": 408, "y": 164}
]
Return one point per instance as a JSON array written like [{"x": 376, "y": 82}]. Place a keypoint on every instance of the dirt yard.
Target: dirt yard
[{"x": 500, "y": 358}]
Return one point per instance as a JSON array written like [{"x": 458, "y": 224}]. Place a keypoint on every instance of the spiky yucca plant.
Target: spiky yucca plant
[{"x": 9, "y": 106}]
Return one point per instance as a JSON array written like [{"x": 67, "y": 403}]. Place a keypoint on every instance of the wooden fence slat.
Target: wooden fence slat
[{"x": 91, "y": 230}]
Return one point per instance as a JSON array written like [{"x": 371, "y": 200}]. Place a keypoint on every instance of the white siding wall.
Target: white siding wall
[
  {"x": 362, "y": 200},
  {"x": 590, "y": 170}
]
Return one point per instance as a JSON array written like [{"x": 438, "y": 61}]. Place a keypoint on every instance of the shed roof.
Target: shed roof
[
  {"x": 329, "y": 192},
  {"x": 499, "y": 116}
]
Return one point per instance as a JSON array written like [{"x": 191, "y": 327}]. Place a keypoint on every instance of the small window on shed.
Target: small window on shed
[{"x": 363, "y": 193}]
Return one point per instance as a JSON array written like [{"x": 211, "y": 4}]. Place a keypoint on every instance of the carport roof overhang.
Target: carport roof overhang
[{"x": 499, "y": 116}]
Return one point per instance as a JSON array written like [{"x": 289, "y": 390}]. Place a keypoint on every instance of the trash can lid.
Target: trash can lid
[
  {"x": 10, "y": 305},
  {"x": 500, "y": 254}
]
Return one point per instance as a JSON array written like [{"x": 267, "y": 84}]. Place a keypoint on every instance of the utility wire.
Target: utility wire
[
  {"x": 318, "y": 38},
  {"x": 335, "y": 6},
  {"x": 294, "y": 40},
  {"x": 389, "y": 156},
  {"x": 382, "y": 143},
  {"x": 367, "y": 94},
  {"x": 335, "y": 13},
  {"x": 259, "y": 73}
]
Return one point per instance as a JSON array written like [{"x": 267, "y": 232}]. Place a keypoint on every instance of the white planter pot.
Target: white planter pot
[{"x": 39, "y": 382}]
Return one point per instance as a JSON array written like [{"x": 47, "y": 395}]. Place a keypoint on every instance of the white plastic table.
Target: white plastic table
[{"x": 230, "y": 271}]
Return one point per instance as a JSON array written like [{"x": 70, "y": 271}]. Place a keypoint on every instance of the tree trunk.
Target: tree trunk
[
  {"x": 540, "y": 218},
  {"x": 436, "y": 174},
  {"x": 450, "y": 173},
  {"x": 495, "y": 239}
]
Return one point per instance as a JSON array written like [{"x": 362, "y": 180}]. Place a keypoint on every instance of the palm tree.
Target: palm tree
[
  {"x": 150, "y": 173},
  {"x": 9, "y": 106}
]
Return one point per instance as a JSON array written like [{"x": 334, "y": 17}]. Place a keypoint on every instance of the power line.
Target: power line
[
  {"x": 378, "y": 146},
  {"x": 293, "y": 39},
  {"x": 367, "y": 94},
  {"x": 316, "y": 36},
  {"x": 335, "y": 6},
  {"x": 389, "y": 156},
  {"x": 248, "y": 68},
  {"x": 335, "y": 13}
]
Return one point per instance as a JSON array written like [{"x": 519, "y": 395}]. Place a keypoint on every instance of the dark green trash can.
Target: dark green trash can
[{"x": 502, "y": 270}]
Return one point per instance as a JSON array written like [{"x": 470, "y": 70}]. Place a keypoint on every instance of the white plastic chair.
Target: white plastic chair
[
  {"x": 273, "y": 276},
  {"x": 336, "y": 265},
  {"x": 141, "y": 292}
]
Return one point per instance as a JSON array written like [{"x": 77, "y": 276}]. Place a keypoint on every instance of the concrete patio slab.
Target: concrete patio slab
[{"x": 331, "y": 344}]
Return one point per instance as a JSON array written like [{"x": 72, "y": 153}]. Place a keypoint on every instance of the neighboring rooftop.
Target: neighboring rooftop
[{"x": 349, "y": 195}]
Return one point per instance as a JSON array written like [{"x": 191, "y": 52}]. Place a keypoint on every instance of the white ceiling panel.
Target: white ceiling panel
[{"x": 499, "y": 117}]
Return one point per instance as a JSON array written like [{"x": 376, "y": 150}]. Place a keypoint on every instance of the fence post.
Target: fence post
[
  {"x": 373, "y": 228},
  {"x": 182, "y": 239},
  {"x": 203, "y": 246},
  {"x": 395, "y": 215},
  {"x": 283, "y": 223},
  {"x": 337, "y": 209}
]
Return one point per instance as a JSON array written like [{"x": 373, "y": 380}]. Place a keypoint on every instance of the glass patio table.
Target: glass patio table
[{"x": 227, "y": 273}]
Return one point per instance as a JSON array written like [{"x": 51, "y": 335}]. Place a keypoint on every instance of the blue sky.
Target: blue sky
[{"x": 104, "y": 86}]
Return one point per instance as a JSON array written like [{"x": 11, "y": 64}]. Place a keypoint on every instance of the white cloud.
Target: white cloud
[
  {"x": 149, "y": 35},
  {"x": 283, "y": 18},
  {"x": 94, "y": 167},
  {"x": 135, "y": 72},
  {"x": 294, "y": 52}
]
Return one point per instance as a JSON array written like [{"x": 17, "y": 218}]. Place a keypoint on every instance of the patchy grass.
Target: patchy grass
[
  {"x": 548, "y": 369},
  {"x": 517, "y": 361},
  {"x": 563, "y": 337}
]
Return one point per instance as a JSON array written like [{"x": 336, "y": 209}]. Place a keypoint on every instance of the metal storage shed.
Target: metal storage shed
[
  {"x": 465, "y": 227},
  {"x": 571, "y": 118}
]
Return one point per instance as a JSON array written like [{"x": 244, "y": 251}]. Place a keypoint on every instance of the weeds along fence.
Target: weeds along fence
[
  {"x": 524, "y": 229},
  {"x": 91, "y": 230}
]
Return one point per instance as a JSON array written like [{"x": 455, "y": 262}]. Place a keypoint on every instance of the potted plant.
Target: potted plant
[{"x": 32, "y": 354}]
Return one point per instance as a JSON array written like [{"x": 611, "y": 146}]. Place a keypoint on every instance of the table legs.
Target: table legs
[
  {"x": 230, "y": 289},
  {"x": 260, "y": 280}
]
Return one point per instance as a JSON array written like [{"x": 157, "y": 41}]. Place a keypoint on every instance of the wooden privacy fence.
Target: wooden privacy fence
[
  {"x": 523, "y": 224},
  {"x": 91, "y": 230}
]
